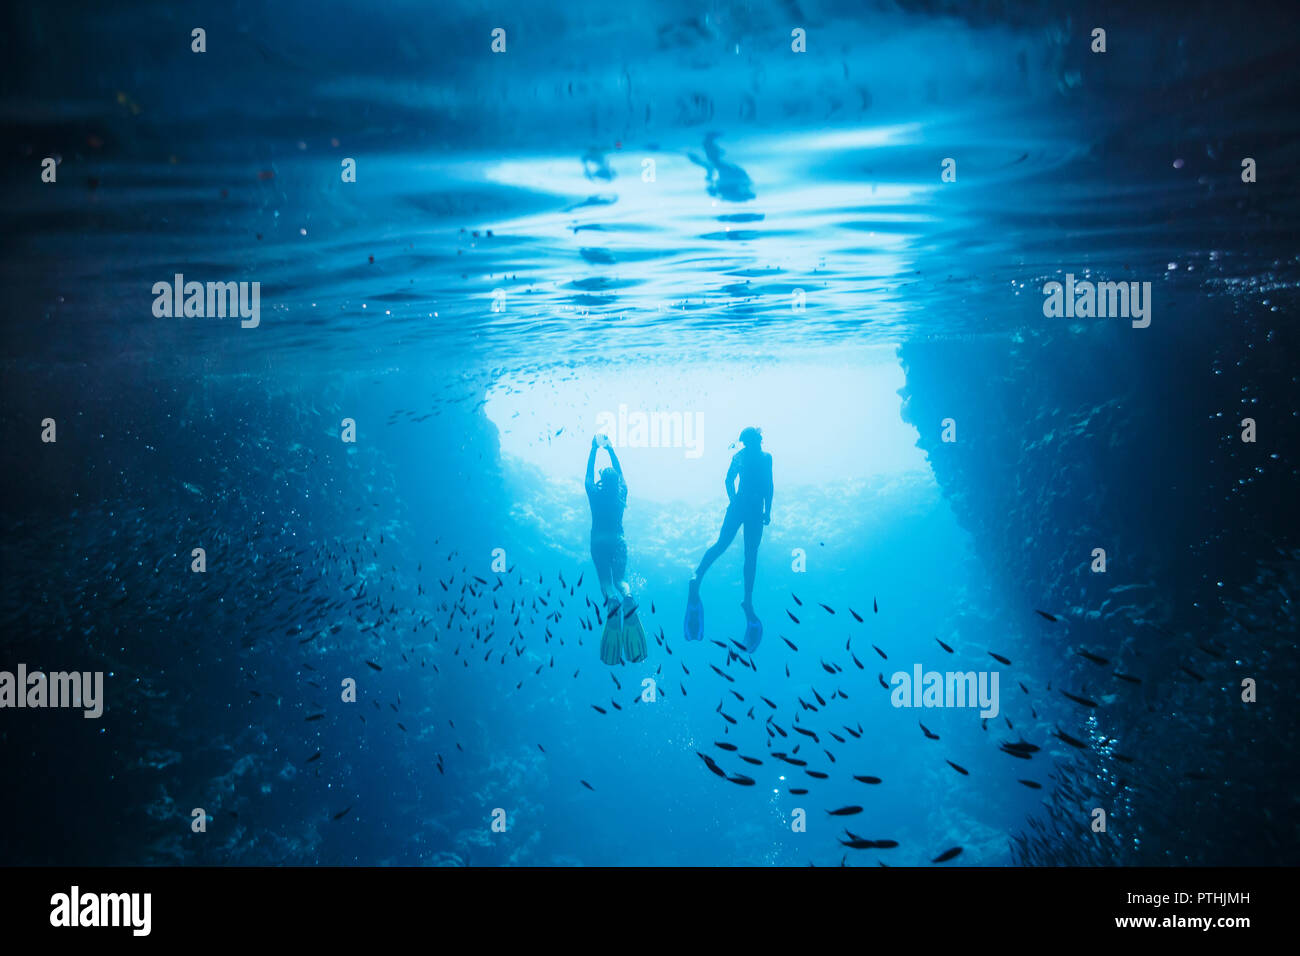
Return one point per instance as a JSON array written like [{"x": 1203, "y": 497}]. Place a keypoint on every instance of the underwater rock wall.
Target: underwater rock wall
[{"x": 1073, "y": 438}]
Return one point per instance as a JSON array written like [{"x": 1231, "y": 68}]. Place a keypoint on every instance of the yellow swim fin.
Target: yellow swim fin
[
  {"x": 611, "y": 639},
  {"x": 634, "y": 646}
]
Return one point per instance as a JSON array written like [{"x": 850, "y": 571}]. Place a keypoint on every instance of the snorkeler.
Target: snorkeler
[
  {"x": 749, "y": 488},
  {"x": 623, "y": 635}
]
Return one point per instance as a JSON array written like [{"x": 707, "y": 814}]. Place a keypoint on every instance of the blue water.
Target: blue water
[{"x": 504, "y": 271}]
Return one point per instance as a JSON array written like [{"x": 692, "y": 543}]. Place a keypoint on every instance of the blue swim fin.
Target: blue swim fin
[
  {"x": 753, "y": 632},
  {"x": 694, "y": 624}
]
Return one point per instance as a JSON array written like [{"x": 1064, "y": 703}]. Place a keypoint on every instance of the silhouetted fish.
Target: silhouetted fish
[
  {"x": 741, "y": 779},
  {"x": 947, "y": 855},
  {"x": 845, "y": 811},
  {"x": 1073, "y": 742},
  {"x": 999, "y": 658},
  {"x": 926, "y": 730},
  {"x": 960, "y": 769},
  {"x": 944, "y": 646},
  {"x": 828, "y": 610},
  {"x": 856, "y": 615},
  {"x": 374, "y": 665},
  {"x": 880, "y": 652},
  {"x": 1093, "y": 657},
  {"x": 587, "y": 785},
  {"x": 796, "y": 599},
  {"x": 1080, "y": 700},
  {"x": 1031, "y": 784},
  {"x": 724, "y": 746},
  {"x": 342, "y": 813},
  {"x": 866, "y": 779},
  {"x": 711, "y": 765},
  {"x": 599, "y": 710},
  {"x": 792, "y": 617},
  {"x": 1050, "y": 617},
  {"x": 816, "y": 773}
]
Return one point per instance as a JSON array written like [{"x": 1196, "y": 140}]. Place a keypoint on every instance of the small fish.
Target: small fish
[
  {"x": 741, "y": 779},
  {"x": 1073, "y": 742},
  {"x": 845, "y": 811},
  {"x": 587, "y": 785},
  {"x": 880, "y": 652},
  {"x": 374, "y": 665},
  {"x": 960, "y": 769},
  {"x": 724, "y": 745},
  {"x": 947, "y": 855},
  {"x": 828, "y": 610},
  {"x": 856, "y": 615},
  {"x": 315, "y": 756},
  {"x": 313, "y": 717},
  {"x": 790, "y": 642},
  {"x": 999, "y": 658},
  {"x": 944, "y": 646},
  {"x": 342, "y": 813},
  {"x": 792, "y": 617},
  {"x": 796, "y": 599},
  {"x": 817, "y": 773},
  {"x": 1193, "y": 673},
  {"x": 1080, "y": 700},
  {"x": 799, "y": 791},
  {"x": 1093, "y": 657},
  {"x": 1128, "y": 677},
  {"x": 875, "y": 608},
  {"x": 1050, "y": 617},
  {"x": 709, "y": 762},
  {"x": 872, "y": 780},
  {"x": 1031, "y": 784},
  {"x": 881, "y": 678},
  {"x": 599, "y": 710}
]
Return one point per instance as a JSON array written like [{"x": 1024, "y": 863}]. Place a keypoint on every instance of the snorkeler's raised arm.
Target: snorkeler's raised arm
[
  {"x": 614, "y": 458},
  {"x": 591, "y": 464}
]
